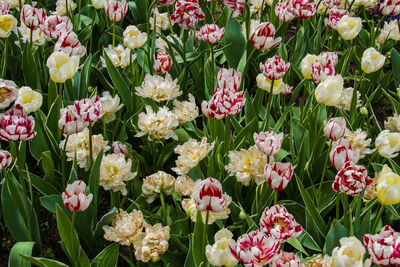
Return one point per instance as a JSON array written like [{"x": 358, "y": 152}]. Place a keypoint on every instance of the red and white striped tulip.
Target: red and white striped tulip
[
  {"x": 89, "y": 109},
  {"x": 286, "y": 259},
  {"x": 274, "y": 68},
  {"x": 236, "y": 6},
  {"x": 268, "y": 142},
  {"x": 320, "y": 70},
  {"x": 162, "y": 63},
  {"x": 335, "y": 128},
  {"x": 54, "y": 26},
  {"x": 351, "y": 179},
  {"x": 263, "y": 37},
  {"x": 69, "y": 122},
  {"x": 119, "y": 147},
  {"x": 69, "y": 44},
  {"x": 116, "y": 10},
  {"x": 283, "y": 11},
  {"x": 4, "y": 8},
  {"x": 5, "y": 159},
  {"x": 303, "y": 8},
  {"x": 16, "y": 125},
  {"x": 187, "y": 14},
  {"x": 342, "y": 152},
  {"x": 390, "y": 7},
  {"x": 278, "y": 223},
  {"x": 224, "y": 103},
  {"x": 33, "y": 17},
  {"x": 255, "y": 249},
  {"x": 209, "y": 196},
  {"x": 278, "y": 175},
  {"x": 229, "y": 79},
  {"x": 75, "y": 198},
  {"x": 335, "y": 15},
  {"x": 8, "y": 92},
  {"x": 211, "y": 33},
  {"x": 331, "y": 4}
]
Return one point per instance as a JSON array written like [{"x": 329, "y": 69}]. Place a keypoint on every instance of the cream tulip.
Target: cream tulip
[
  {"x": 29, "y": 99},
  {"x": 349, "y": 27},
  {"x": 388, "y": 144},
  {"x": 61, "y": 66},
  {"x": 7, "y": 25},
  {"x": 330, "y": 90},
  {"x": 388, "y": 187},
  {"x": 372, "y": 60}
]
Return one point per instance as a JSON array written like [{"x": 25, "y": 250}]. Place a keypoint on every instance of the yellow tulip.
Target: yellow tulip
[
  {"x": 61, "y": 66},
  {"x": 7, "y": 25},
  {"x": 349, "y": 27},
  {"x": 329, "y": 91},
  {"x": 372, "y": 60},
  {"x": 388, "y": 188}
]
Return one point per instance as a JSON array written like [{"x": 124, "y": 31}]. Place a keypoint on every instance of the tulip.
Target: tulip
[
  {"x": 388, "y": 187},
  {"x": 119, "y": 147},
  {"x": 303, "y": 8},
  {"x": 89, "y": 109},
  {"x": 329, "y": 91},
  {"x": 274, "y": 68},
  {"x": 263, "y": 37},
  {"x": 16, "y": 125},
  {"x": 166, "y": 2},
  {"x": 372, "y": 60},
  {"x": 7, "y": 25},
  {"x": 335, "y": 15},
  {"x": 335, "y": 128},
  {"x": 116, "y": 10},
  {"x": 98, "y": 4},
  {"x": 32, "y": 17},
  {"x": 331, "y": 4},
  {"x": 30, "y": 100},
  {"x": 351, "y": 179},
  {"x": 229, "y": 79},
  {"x": 187, "y": 14},
  {"x": 382, "y": 247},
  {"x": 69, "y": 123},
  {"x": 284, "y": 11},
  {"x": 321, "y": 70},
  {"x": 268, "y": 142},
  {"x": 62, "y": 66},
  {"x": 68, "y": 43},
  {"x": 255, "y": 249},
  {"x": 133, "y": 38},
  {"x": 8, "y": 92},
  {"x": 54, "y": 26},
  {"x": 306, "y": 63},
  {"x": 350, "y": 253},
  {"x": 342, "y": 152},
  {"x": 211, "y": 33},
  {"x": 286, "y": 259},
  {"x": 224, "y": 102},
  {"x": 390, "y": 7},
  {"x": 5, "y": 159},
  {"x": 265, "y": 84},
  {"x": 162, "y": 63},
  {"x": 278, "y": 175},
  {"x": 236, "y": 6},
  {"x": 349, "y": 27},
  {"x": 4, "y": 8},
  {"x": 75, "y": 198},
  {"x": 219, "y": 253},
  {"x": 110, "y": 106},
  {"x": 278, "y": 223},
  {"x": 209, "y": 197},
  {"x": 388, "y": 144}
]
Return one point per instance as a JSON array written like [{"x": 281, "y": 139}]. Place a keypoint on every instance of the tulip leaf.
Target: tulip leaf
[
  {"x": 395, "y": 59},
  {"x": 43, "y": 186},
  {"x": 336, "y": 232},
  {"x": 31, "y": 74},
  {"x": 43, "y": 262},
  {"x": 108, "y": 257},
  {"x": 105, "y": 220},
  {"x": 197, "y": 240},
  {"x": 24, "y": 248},
  {"x": 234, "y": 38},
  {"x": 84, "y": 77},
  {"x": 94, "y": 178}
]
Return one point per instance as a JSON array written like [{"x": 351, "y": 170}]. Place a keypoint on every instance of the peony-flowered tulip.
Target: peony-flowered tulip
[
  {"x": 388, "y": 187},
  {"x": 381, "y": 246},
  {"x": 89, "y": 109},
  {"x": 390, "y": 7},
  {"x": 69, "y": 122},
  {"x": 350, "y": 253},
  {"x": 229, "y": 79},
  {"x": 29, "y": 99},
  {"x": 119, "y": 56},
  {"x": 110, "y": 106},
  {"x": 54, "y": 26},
  {"x": 331, "y": 4},
  {"x": 303, "y": 8},
  {"x": 98, "y": 4},
  {"x": 116, "y": 10},
  {"x": 224, "y": 102},
  {"x": 335, "y": 14},
  {"x": 166, "y": 2},
  {"x": 236, "y": 6},
  {"x": 321, "y": 70},
  {"x": 286, "y": 259},
  {"x": 219, "y": 253},
  {"x": 274, "y": 68},
  {"x": 268, "y": 142},
  {"x": 4, "y": 8},
  {"x": 278, "y": 223},
  {"x": 255, "y": 249},
  {"x": 68, "y": 43},
  {"x": 5, "y": 159},
  {"x": 335, "y": 128},
  {"x": 209, "y": 196},
  {"x": 284, "y": 11},
  {"x": 8, "y": 92},
  {"x": 62, "y": 66},
  {"x": 372, "y": 60},
  {"x": 349, "y": 27},
  {"x": 342, "y": 152},
  {"x": 162, "y": 63},
  {"x": 133, "y": 38},
  {"x": 75, "y": 198},
  {"x": 32, "y": 17},
  {"x": 306, "y": 65},
  {"x": 119, "y": 147},
  {"x": 329, "y": 91},
  {"x": 278, "y": 175},
  {"x": 16, "y": 125},
  {"x": 351, "y": 179},
  {"x": 263, "y": 37},
  {"x": 62, "y": 6},
  {"x": 187, "y": 14},
  {"x": 265, "y": 84},
  {"x": 211, "y": 33},
  {"x": 7, "y": 24},
  {"x": 388, "y": 144}
]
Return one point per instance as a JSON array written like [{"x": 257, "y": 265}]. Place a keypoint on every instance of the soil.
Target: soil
[{"x": 382, "y": 110}]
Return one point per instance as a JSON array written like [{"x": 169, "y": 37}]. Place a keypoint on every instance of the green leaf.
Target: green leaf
[
  {"x": 108, "y": 257},
  {"x": 49, "y": 202},
  {"x": 43, "y": 262},
  {"x": 48, "y": 167},
  {"x": 105, "y": 220},
  {"x": 336, "y": 232},
  {"x": 68, "y": 234},
  {"x": 85, "y": 77},
  {"x": 30, "y": 70},
  {"x": 395, "y": 59},
  {"x": 15, "y": 258},
  {"x": 297, "y": 245},
  {"x": 119, "y": 83},
  {"x": 234, "y": 38},
  {"x": 197, "y": 240},
  {"x": 94, "y": 178}
]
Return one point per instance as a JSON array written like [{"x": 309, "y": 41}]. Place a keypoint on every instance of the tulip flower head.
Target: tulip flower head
[
  {"x": 162, "y": 63},
  {"x": 187, "y": 14},
  {"x": 75, "y": 198},
  {"x": 116, "y": 10},
  {"x": 278, "y": 175},
  {"x": 349, "y": 27},
  {"x": 229, "y": 79},
  {"x": 209, "y": 196},
  {"x": 211, "y": 33},
  {"x": 342, "y": 152},
  {"x": 372, "y": 60},
  {"x": 70, "y": 122},
  {"x": 62, "y": 66},
  {"x": 236, "y": 6},
  {"x": 350, "y": 253},
  {"x": 383, "y": 247},
  {"x": 335, "y": 128},
  {"x": 388, "y": 187},
  {"x": 274, "y": 68},
  {"x": 351, "y": 179},
  {"x": 224, "y": 102},
  {"x": 263, "y": 37},
  {"x": 89, "y": 109},
  {"x": 286, "y": 259},
  {"x": 268, "y": 142},
  {"x": 16, "y": 125},
  {"x": 388, "y": 144},
  {"x": 68, "y": 43},
  {"x": 32, "y": 17},
  {"x": 8, "y": 92},
  {"x": 390, "y": 7},
  {"x": 5, "y": 159},
  {"x": 54, "y": 26}
]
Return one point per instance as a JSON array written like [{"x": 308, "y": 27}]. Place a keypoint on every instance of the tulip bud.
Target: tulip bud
[
  {"x": 209, "y": 196},
  {"x": 5, "y": 159},
  {"x": 75, "y": 198},
  {"x": 278, "y": 175},
  {"x": 335, "y": 128},
  {"x": 372, "y": 60},
  {"x": 263, "y": 37},
  {"x": 32, "y": 17},
  {"x": 364, "y": 111}
]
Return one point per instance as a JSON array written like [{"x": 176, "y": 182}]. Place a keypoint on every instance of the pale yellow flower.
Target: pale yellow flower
[
  {"x": 372, "y": 60},
  {"x": 367, "y": 4},
  {"x": 115, "y": 170},
  {"x": 61, "y": 7},
  {"x": 329, "y": 91},
  {"x": 349, "y": 27},
  {"x": 370, "y": 193},
  {"x": 350, "y": 253},
  {"x": 247, "y": 164},
  {"x": 160, "y": 125},
  {"x": 119, "y": 56},
  {"x": 346, "y": 98},
  {"x": 358, "y": 140},
  {"x": 159, "y": 88},
  {"x": 110, "y": 106},
  {"x": 125, "y": 227},
  {"x": 186, "y": 110},
  {"x": 133, "y": 38},
  {"x": 13, "y": 3},
  {"x": 157, "y": 183},
  {"x": 388, "y": 188},
  {"x": 389, "y": 31},
  {"x": 29, "y": 99},
  {"x": 190, "y": 154},
  {"x": 61, "y": 66},
  {"x": 320, "y": 261},
  {"x": 7, "y": 25},
  {"x": 393, "y": 123},
  {"x": 162, "y": 21},
  {"x": 38, "y": 36},
  {"x": 98, "y": 4},
  {"x": 78, "y": 147},
  {"x": 162, "y": 45},
  {"x": 184, "y": 185},
  {"x": 305, "y": 64},
  {"x": 265, "y": 84},
  {"x": 388, "y": 144},
  {"x": 189, "y": 206},
  {"x": 219, "y": 253}
]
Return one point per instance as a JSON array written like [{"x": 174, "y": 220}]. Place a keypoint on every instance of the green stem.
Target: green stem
[
  {"x": 113, "y": 37},
  {"x": 90, "y": 145},
  {"x": 164, "y": 208},
  {"x": 246, "y": 67},
  {"x": 31, "y": 37},
  {"x": 104, "y": 128},
  {"x": 377, "y": 219},
  {"x": 169, "y": 20},
  {"x": 200, "y": 172},
  {"x": 60, "y": 93},
  {"x": 79, "y": 15},
  {"x": 114, "y": 199},
  {"x": 72, "y": 234},
  {"x": 337, "y": 205},
  {"x": 323, "y": 171},
  {"x": 205, "y": 242},
  {"x": 63, "y": 182},
  {"x": 266, "y": 120},
  {"x": 275, "y": 197},
  {"x": 212, "y": 67},
  {"x": 228, "y": 135}
]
